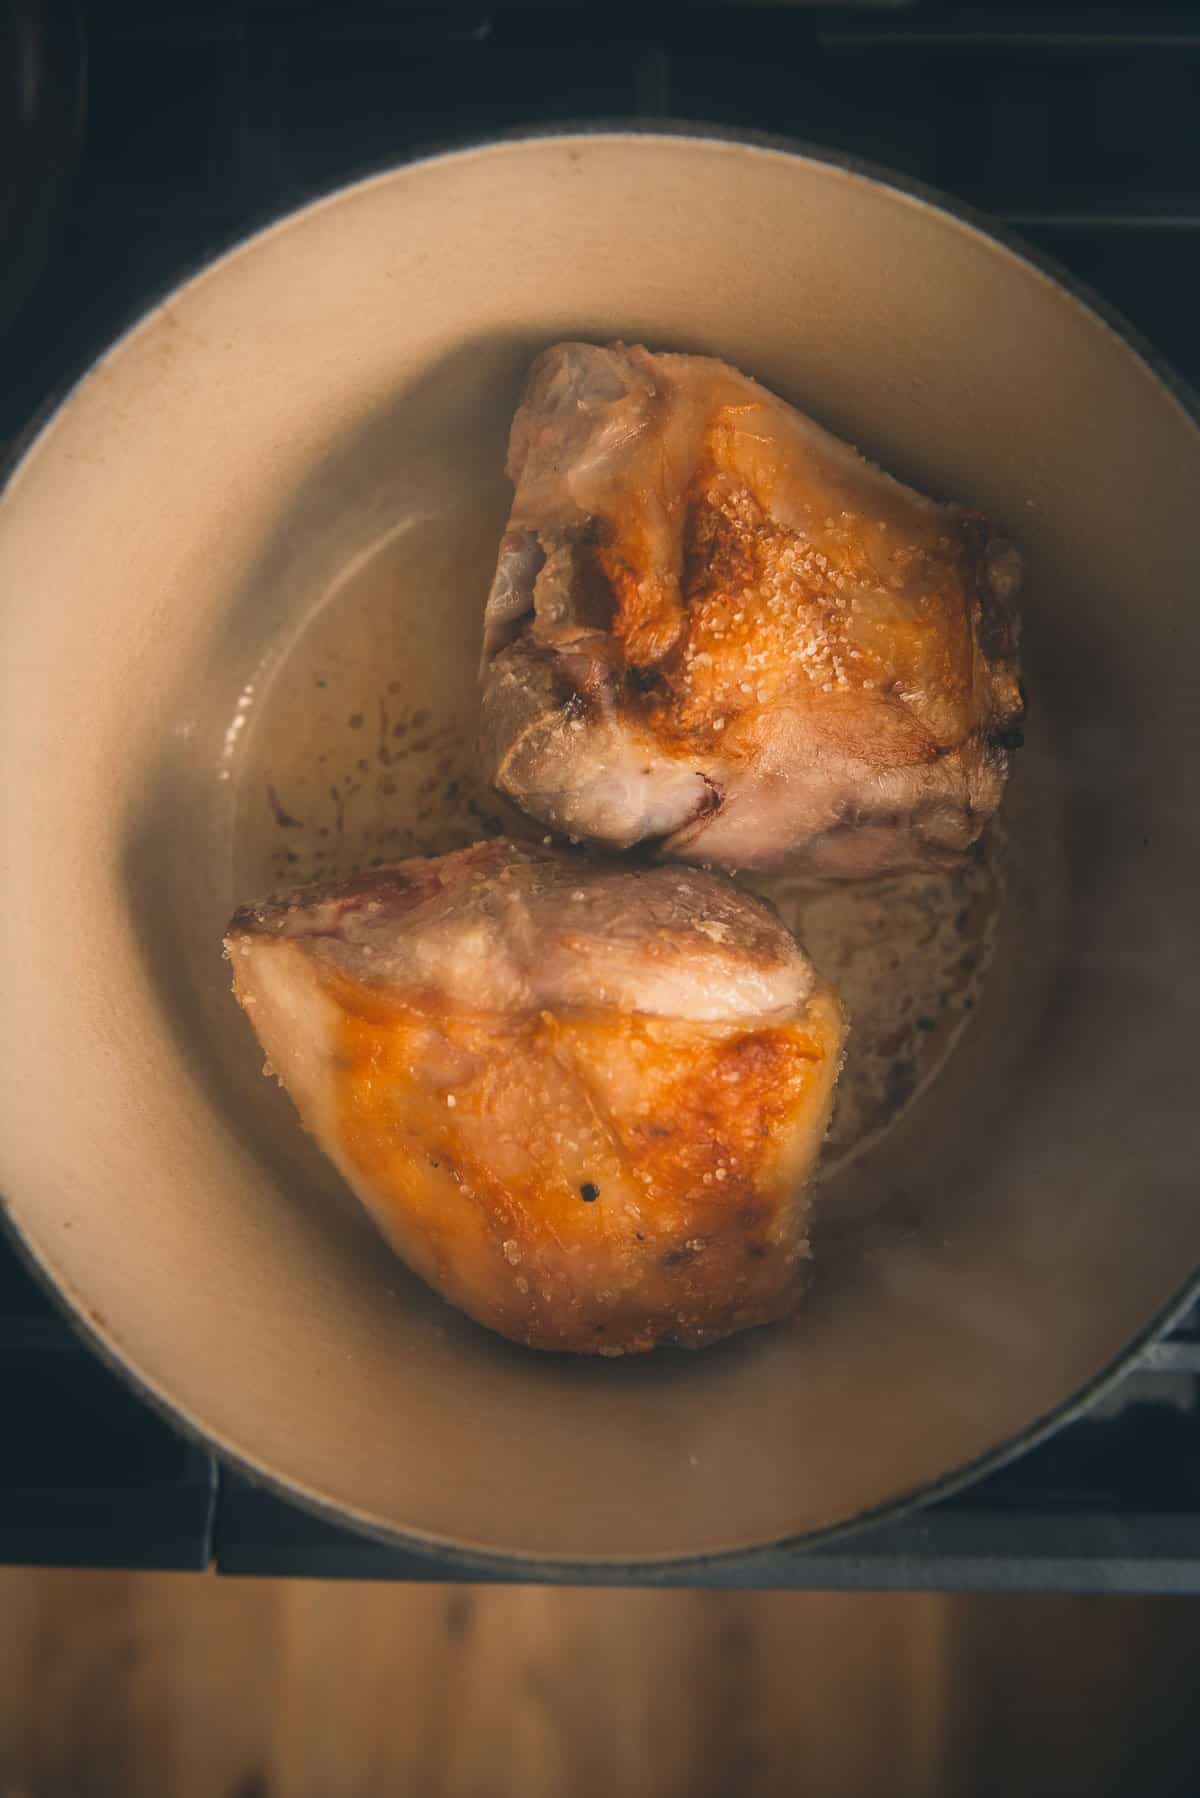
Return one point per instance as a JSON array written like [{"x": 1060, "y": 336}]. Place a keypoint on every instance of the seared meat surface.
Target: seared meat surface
[
  {"x": 580, "y": 1099},
  {"x": 714, "y": 626}
]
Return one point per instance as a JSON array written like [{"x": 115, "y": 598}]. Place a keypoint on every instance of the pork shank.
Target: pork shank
[
  {"x": 580, "y": 1100},
  {"x": 715, "y": 626}
]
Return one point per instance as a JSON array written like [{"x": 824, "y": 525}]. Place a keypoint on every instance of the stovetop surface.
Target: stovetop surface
[{"x": 1072, "y": 124}]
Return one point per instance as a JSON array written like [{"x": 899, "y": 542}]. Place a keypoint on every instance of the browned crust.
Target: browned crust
[
  {"x": 656, "y": 635},
  {"x": 719, "y": 1244}
]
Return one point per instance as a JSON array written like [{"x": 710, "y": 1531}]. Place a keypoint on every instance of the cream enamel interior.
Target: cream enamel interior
[{"x": 333, "y": 397}]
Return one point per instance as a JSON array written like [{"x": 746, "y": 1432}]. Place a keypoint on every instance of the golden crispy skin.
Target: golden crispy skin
[
  {"x": 715, "y": 625},
  {"x": 573, "y": 1168}
]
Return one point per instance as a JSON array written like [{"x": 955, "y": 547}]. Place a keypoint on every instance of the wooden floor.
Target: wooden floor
[{"x": 181, "y": 1686}]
